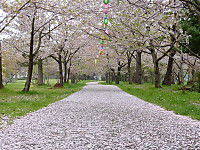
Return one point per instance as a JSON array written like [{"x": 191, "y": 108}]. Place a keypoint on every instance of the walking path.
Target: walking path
[{"x": 101, "y": 117}]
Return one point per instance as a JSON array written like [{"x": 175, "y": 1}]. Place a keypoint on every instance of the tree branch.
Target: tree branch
[
  {"x": 189, "y": 50},
  {"x": 54, "y": 57},
  {"x": 13, "y": 17},
  {"x": 165, "y": 54},
  {"x": 39, "y": 43},
  {"x": 190, "y": 2}
]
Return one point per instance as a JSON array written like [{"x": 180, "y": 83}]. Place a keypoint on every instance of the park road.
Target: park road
[{"x": 101, "y": 117}]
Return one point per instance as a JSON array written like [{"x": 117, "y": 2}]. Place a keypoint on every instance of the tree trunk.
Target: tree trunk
[
  {"x": 168, "y": 76},
  {"x": 138, "y": 73},
  {"x": 65, "y": 71},
  {"x": 117, "y": 77},
  {"x": 40, "y": 72},
  {"x": 73, "y": 79},
  {"x": 181, "y": 73},
  {"x": 112, "y": 75},
  {"x": 178, "y": 78},
  {"x": 193, "y": 75},
  {"x": 29, "y": 76},
  {"x": 30, "y": 65},
  {"x": 152, "y": 77},
  {"x": 68, "y": 72},
  {"x": 157, "y": 75},
  {"x": 1, "y": 76},
  {"x": 172, "y": 78},
  {"x": 156, "y": 67},
  {"x": 129, "y": 71},
  {"x": 107, "y": 80},
  {"x": 60, "y": 70},
  {"x": 124, "y": 77},
  {"x": 110, "y": 78},
  {"x": 68, "y": 75}
]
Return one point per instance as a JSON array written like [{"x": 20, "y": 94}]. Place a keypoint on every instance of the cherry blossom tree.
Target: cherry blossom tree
[
  {"x": 36, "y": 18},
  {"x": 70, "y": 33},
  {"x": 194, "y": 7},
  {"x": 9, "y": 10}
]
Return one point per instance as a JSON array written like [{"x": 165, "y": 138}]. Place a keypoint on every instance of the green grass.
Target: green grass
[
  {"x": 14, "y": 102},
  {"x": 169, "y": 98}
]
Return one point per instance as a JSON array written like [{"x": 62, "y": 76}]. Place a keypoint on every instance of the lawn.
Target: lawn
[
  {"x": 15, "y": 103},
  {"x": 169, "y": 98}
]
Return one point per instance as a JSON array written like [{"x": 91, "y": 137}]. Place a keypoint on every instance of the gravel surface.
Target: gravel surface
[{"x": 101, "y": 117}]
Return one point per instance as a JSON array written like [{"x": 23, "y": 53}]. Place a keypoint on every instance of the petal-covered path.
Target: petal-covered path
[{"x": 101, "y": 117}]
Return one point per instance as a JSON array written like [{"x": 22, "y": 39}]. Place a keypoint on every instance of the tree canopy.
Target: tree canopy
[{"x": 153, "y": 39}]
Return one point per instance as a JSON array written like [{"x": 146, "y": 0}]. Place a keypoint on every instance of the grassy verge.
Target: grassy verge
[
  {"x": 167, "y": 97},
  {"x": 15, "y": 103}
]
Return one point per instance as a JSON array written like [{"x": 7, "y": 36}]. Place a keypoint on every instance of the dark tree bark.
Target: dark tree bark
[
  {"x": 157, "y": 75},
  {"x": 58, "y": 59},
  {"x": 113, "y": 77},
  {"x": 1, "y": 78},
  {"x": 31, "y": 56},
  {"x": 68, "y": 56},
  {"x": 178, "y": 79},
  {"x": 65, "y": 61},
  {"x": 68, "y": 75},
  {"x": 29, "y": 76},
  {"x": 60, "y": 74},
  {"x": 73, "y": 78},
  {"x": 68, "y": 72},
  {"x": 129, "y": 59},
  {"x": 193, "y": 72},
  {"x": 156, "y": 66},
  {"x": 112, "y": 74},
  {"x": 60, "y": 70},
  {"x": 138, "y": 73},
  {"x": 181, "y": 74},
  {"x": 32, "y": 53},
  {"x": 65, "y": 70},
  {"x": 109, "y": 77},
  {"x": 172, "y": 79},
  {"x": 40, "y": 72},
  {"x": 124, "y": 77},
  {"x": 168, "y": 76},
  {"x": 109, "y": 71},
  {"x": 156, "y": 63},
  {"x": 193, "y": 75},
  {"x": 129, "y": 71},
  {"x": 106, "y": 75},
  {"x": 117, "y": 77}
]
